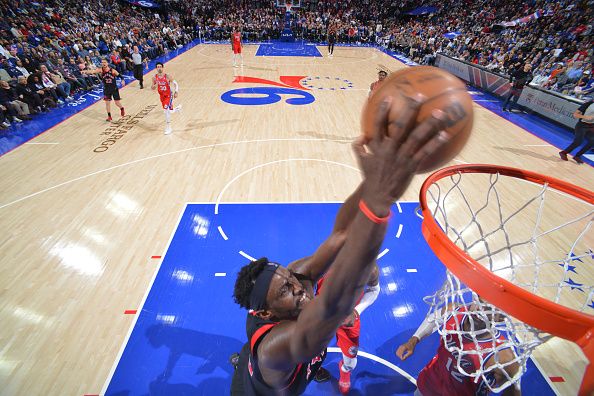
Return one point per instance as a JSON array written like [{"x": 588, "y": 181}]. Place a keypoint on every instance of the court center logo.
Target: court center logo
[{"x": 297, "y": 90}]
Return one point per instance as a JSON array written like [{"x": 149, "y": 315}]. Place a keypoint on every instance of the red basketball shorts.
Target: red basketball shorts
[{"x": 347, "y": 338}]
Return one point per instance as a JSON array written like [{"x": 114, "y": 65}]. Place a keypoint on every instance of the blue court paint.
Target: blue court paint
[
  {"x": 288, "y": 49},
  {"x": 189, "y": 324},
  {"x": 20, "y": 133}
]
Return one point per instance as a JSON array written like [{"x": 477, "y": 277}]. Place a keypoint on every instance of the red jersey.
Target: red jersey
[
  {"x": 163, "y": 85},
  {"x": 441, "y": 376},
  {"x": 236, "y": 39}
]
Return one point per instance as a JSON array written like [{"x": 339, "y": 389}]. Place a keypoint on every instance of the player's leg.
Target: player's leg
[
  {"x": 107, "y": 99},
  {"x": 116, "y": 98},
  {"x": 578, "y": 138},
  {"x": 589, "y": 138},
  {"x": 348, "y": 342},
  {"x": 165, "y": 102}
]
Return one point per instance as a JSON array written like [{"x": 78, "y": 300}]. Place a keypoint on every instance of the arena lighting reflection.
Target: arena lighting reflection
[
  {"x": 391, "y": 288},
  {"x": 387, "y": 270},
  {"x": 122, "y": 205},
  {"x": 28, "y": 315},
  {"x": 182, "y": 276},
  {"x": 402, "y": 311},
  {"x": 200, "y": 225},
  {"x": 95, "y": 236},
  {"x": 167, "y": 319},
  {"x": 79, "y": 258}
]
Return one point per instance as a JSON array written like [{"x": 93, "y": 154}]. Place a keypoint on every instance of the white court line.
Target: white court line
[
  {"x": 460, "y": 161},
  {"x": 222, "y": 233},
  {"x": 382, "y": 254},
  {"x": 399, "y": 231},
  {"x": 40, "y": 143},
  {"x": 220, "y": 274},
  {"x": 411, "y": 270},
  {"x": 247, "y": 256},
  {"x": 380, "y": 361},
  {"x": 156, "y": 271},
  {"x": 398, "y": 206},
  {"x": 216, "y": 211},
  {"x": 163, "y": 155}
]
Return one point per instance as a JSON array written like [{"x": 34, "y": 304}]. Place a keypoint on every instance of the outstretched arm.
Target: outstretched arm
[
  {"x": 388, "y": 164},
  {"x": 154, "y": 86},
  {"x": 426, "y": 328}
]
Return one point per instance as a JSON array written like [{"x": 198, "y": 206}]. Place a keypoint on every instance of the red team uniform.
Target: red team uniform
[
  {"x": 236, "y": 42},
  {"x": 164, "y": 89},
  {"x": 347, "y": 338},
  {"x": 441, "y": 376}
]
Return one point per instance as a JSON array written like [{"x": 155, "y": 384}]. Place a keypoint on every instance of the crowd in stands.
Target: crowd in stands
[
  {"x": 45, "y": 44},
  {"x": 555, "y": 38}
]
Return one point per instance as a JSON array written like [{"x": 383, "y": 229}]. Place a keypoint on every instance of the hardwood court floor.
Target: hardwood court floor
[{"x": 83, "y": 216}]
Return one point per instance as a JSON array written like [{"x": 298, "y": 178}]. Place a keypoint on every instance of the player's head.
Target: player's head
[
  {"x": 270, "y": 290},
  {"x": 160, "y": 67},
  {"x": 483, "y": 314},
  {"x": 104, "y": 63},
  {"x": 382, "y": 74}
]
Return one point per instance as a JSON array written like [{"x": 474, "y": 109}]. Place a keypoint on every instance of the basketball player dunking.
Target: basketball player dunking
[
  {"x": 441, "y": 376},
  {"x": 163, "y": 82},
  {"x": 347, "y": 335},
  {"x": 236, "y": 45},
  {"x": 110, "y": 87},
  {"x": 288, "y": 328}
]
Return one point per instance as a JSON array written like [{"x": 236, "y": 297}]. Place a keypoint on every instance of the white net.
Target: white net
[{"x": 529, "y": 234}]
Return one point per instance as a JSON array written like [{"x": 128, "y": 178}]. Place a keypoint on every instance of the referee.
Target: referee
[{"x": 137, "y": 60}]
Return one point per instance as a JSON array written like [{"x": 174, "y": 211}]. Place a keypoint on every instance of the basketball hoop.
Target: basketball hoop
[{"x": 515, "y": 248}]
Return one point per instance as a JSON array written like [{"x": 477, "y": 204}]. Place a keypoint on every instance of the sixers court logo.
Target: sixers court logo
[{"x": 291, "y": 87}]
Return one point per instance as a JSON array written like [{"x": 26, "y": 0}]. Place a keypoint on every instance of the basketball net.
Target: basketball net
[{"x": 524, "y": 232}]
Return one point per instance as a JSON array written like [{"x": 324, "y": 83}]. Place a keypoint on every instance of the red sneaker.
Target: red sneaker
[
  {"x": 563, "y": 155},
  {"x": 344, "y": 383},
  {"x": 108, "y": 118},
  {"x": 122, "y": 112}
]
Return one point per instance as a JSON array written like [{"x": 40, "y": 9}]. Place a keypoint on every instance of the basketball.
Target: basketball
[{"x": 442, "y": 91}]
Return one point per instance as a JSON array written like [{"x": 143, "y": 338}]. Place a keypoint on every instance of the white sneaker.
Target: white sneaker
[
  {"x": 234, "y": 65},
  {"x": 177, "y": 109},
  {"x": 15, "y": 119},
  {"x": 168, "y": 130}
]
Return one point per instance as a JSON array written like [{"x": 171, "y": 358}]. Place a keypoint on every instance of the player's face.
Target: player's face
[
  {"x": 381, "y": 76},
  {"x": 160, "y": 69},
  {"x": 286, "y": 295},
  {"x": 104, "y": 64}
]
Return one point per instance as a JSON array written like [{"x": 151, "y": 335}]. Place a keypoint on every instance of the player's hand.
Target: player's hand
[
  {"x": 389, "y": 160},
  {"x": 349, "y": 321},
  {"x": 175, "y": 94},
  {"x": 404, "y": 351}
]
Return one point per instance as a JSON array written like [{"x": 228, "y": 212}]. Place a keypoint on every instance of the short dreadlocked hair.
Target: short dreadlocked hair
[{"x": 246, "y": 279}]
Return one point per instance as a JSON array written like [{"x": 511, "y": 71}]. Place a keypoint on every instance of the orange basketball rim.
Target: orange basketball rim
[{"x": 534, "y": 310}]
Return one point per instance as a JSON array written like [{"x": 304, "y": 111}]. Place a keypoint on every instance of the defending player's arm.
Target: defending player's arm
[
  {"x": 427, "y": 327},
  {"x": 154, "y": 85},
  {"x": 388, "y": 166}
]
